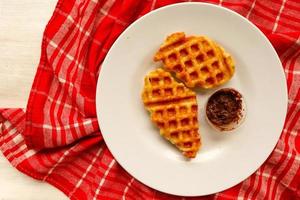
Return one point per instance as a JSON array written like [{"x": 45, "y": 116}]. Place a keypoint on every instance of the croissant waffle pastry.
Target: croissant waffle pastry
[
  {"x": 173, "y": 109},
  {"x": 196, "y": 60}
]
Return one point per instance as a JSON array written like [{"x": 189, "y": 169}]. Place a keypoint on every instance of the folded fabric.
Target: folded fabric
[{"x": 57, "y": 138}]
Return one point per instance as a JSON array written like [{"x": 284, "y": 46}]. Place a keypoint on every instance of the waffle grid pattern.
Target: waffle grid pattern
[
  {"x": 197, "y": 61},
  {"x": 173, "y": 109}
]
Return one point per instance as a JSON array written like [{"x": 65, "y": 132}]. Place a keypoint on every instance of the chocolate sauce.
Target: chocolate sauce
[{"x": 224, "y": 107}]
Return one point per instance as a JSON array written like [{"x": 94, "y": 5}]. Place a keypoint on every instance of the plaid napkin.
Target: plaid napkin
[{"x": 57, "y": 138}]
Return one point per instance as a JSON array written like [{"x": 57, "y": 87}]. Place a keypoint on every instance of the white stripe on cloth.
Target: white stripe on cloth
[
  {"x": 265, "y": 178},
  {"x": 268, "y": 178},
  {"x": 60, "y": 117},
  {"x": 61, "y": 80},
  {"x": 78, "y": 75},
  {"x": 287, "y": 185},
  {"x": 126, "y": 188},
  {"x": 289, "y": 155},
  {"x": 269, "y": 169},
  {"x": 105, "y": 9},
  {"x": 278, "y": 16},
  {"x": 16, "y": 161},
  {"x": 7, "y": 125},
  {"x": 293, "y": 133},
  {"x": 76, "y": 40},
  {"x": 103, "y": 179},
  {"x": 291, "y": 171},
  {"x": 266, "y": 175},
  {"x": 288, "y": 37},
  {"x": 153, "y": 4},
  {"x": 274, "y": 185},
  {"x": 292, "y": 72},
  {"x": 65, "y": 104},
  {"x": 244, "y": 187},
  {"x": 288, "y": 177},
  {"x": 13, "y": 153},
  {"x": 250, "y": 11},
  {"x": 78, "y": 133},
  {"x": 104, "y": 12},
  {"x": 86, "y": 172},
  {"x": 17, "y": 139},
  {"x": 254, "y": 187},
  {"x": 54, "y": 120},
  {"x": 48, "y": 117},
  {"x": 10, "y": 133},
  {"x": 289, "y": 52},
  {"x": 61, "y": 159},
  {"x": 220, "y": 2},
  {"x": 65, "y": 127},
  {"x": 30, "y": 153},
  {"x": 71, "y": 58},
  {"x": 289, "y": 64},
  {"x": 87, "y": 33}
]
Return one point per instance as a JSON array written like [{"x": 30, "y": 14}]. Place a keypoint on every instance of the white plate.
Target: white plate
[{"x": 224, "y": 159}]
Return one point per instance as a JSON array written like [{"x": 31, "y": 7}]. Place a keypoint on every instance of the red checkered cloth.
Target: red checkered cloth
[{"x": 58, "y": 140}]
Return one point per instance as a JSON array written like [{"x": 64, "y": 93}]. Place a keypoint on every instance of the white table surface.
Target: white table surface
[{"x": 21, "y": 26}]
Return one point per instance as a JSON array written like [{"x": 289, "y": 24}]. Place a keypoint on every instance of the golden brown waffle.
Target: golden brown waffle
[
  {"x": 196, "y": 60},
  {"x": 173, "y": 109}
]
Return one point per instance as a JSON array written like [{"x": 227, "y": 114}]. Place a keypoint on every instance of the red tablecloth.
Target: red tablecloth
[{"x": 57, "y": 138}]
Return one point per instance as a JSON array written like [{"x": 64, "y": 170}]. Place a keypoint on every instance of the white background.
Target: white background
[{"x": 21, "y": 27}]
